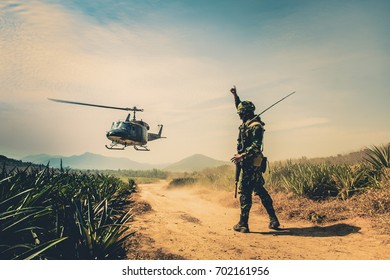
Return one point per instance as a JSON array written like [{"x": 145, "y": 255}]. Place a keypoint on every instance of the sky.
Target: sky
[{"x": 178, "y": 60}]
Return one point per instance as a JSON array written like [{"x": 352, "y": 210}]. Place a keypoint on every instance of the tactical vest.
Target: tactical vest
[{"x": 245, "y": 141}]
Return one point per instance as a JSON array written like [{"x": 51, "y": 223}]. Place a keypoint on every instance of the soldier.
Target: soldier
[{"x": 249, "y": 156}]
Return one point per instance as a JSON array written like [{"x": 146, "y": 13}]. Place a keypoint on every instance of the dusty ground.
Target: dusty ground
[{"x": 196, "y": 224}]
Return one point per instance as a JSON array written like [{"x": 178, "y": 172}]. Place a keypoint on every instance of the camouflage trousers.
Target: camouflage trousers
[{"x": 252, "y": 181}]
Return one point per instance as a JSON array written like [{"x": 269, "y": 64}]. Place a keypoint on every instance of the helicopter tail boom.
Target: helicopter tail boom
[{"x": 155, "y": 136}]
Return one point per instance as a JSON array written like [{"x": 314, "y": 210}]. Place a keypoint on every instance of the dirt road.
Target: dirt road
[{"x": 196, "y": 224}]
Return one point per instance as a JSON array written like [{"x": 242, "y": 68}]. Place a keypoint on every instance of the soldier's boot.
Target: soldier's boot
[
  {"x": 242, "y": 225},
  {"x": 273, "y": 220},
  {"x": 273, "y": 223}
]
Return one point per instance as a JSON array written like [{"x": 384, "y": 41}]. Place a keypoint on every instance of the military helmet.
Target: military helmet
[{"x": 245, "y": 106}]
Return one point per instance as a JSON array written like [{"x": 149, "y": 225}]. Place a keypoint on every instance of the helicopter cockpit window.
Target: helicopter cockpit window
[
  {"x": 125, "y": 125},
  {"x": 115, "y": 124}
]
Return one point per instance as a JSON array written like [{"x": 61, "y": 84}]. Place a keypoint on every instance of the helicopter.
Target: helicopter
[{"x": 131, "y": 132}]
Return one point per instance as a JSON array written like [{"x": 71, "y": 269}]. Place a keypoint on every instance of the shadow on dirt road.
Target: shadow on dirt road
[{"x": 316, "y": 231}]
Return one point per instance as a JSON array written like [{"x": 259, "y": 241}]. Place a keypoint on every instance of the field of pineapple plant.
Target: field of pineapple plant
[
  {"x": 322, "y": 180},
  {"x": 55, "y": 214}
]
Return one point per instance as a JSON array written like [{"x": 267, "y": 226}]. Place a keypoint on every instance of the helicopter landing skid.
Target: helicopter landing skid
[
  {"x": 111, "y": 147},
  {"x": 141, "y": 148}
]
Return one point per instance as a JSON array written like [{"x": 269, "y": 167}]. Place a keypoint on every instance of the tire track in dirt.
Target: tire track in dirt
[{"x": 184, "y": 224}]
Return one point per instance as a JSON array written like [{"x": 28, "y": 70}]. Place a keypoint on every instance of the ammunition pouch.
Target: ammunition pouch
[
  {"x": 260, "y": 161},
  {"x": 257, "y": 161}
]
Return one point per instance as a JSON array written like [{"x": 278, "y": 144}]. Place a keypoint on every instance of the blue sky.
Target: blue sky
[{"x": 178, "y": 60}]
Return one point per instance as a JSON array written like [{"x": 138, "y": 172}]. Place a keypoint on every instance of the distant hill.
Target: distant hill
[
  {"x": 98, "y": 162},
  {"x": 196, "y": 162},
  {"x": 9, "y": 163},
  {"x": 89, "y": 161}
]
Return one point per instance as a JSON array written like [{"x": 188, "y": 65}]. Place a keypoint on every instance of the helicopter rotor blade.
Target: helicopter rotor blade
[{"x": 134, "y": 109}]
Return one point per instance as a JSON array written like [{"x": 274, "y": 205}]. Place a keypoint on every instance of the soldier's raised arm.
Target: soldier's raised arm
[{"x": 237, "y": 100}]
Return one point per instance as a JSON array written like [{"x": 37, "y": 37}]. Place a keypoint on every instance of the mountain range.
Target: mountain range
[
  {"x": 195, "y": 162},
  {"x": 98, "y": 162}
]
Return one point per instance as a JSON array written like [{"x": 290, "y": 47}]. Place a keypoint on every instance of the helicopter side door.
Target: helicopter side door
[
  {"x": 136, "y": 133},
  {"x": 142, "y": 132}
]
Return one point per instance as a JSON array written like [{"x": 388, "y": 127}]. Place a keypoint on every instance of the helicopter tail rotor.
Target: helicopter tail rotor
[{"x": 160, "y": 131}]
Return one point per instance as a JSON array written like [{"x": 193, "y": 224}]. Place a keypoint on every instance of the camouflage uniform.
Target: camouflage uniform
[{"x": 249, "y": 145}]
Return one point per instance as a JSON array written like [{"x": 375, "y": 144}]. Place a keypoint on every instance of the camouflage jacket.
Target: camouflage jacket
[
  {"x": 250, "y": 139},
  {"x": 249, "y": 142}
]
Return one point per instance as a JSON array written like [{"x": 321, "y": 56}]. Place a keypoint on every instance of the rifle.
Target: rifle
[{"x": 238, "y": 171}]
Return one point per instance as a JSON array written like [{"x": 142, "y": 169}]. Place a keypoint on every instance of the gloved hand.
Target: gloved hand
[{"x": 233, "y": 90}]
